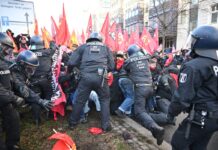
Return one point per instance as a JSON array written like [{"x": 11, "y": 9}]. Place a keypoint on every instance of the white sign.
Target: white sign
[{"x": 17, "y": 16}]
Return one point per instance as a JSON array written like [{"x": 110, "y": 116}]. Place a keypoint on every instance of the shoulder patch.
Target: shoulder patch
[
  {"x": 183, "y": 77},
  {"x": 215, "y": 69}
]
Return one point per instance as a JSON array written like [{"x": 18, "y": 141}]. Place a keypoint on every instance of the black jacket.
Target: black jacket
[
  {"x": 138, "y": 69},
  {"x": 6, "y": 94},
  {"x": 198, "y": 84},
  {"x": 90, "y": 56}
]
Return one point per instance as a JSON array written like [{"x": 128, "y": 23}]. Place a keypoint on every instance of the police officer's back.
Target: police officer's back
[
  {"x": 93, "y": 59},
  {"x": 138, "y": 70},
  {"x": 197, "y": 93}
]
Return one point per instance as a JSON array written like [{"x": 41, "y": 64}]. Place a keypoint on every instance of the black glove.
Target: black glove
[
  {"x": 171, "y": 119},
  {"x": 47, "y": 104}
]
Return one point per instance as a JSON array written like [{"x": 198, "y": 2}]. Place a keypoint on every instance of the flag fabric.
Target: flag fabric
[
  {"x": 147, "y": 41},
  {"x": 105, "y": 29},
  {"x": 15, "y": 50},
  {"x": 73, "y": 40},
  {"x": 58, "y": 97},
  {"x": 156, "y": 38},
  {"x": 134, "y": 37},
  {"x": 126, "y": 40},
  {"x": 112, "y": 37},
  {"x": 46, "y": 37},
  {"x": 64, "y": 142},
  {"x": 83, "y": 37},
  {"x": 54, "y": 28},
  {"x": 120, "y": 40},
  {"x": 36, "y": 28},
  {"x": 89, "y": 26},
  {"x": 63, "y": 35}
]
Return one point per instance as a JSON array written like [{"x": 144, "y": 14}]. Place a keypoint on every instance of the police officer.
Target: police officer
[
  {"x": 138, "y": 70},
  {"x": 94, "y": 60},
  {"x": 197, "y": 93},
  {"x": 40, "y": 82},
  {"x": 9, "y": 115},
  {"x": 26, "y": 64}
]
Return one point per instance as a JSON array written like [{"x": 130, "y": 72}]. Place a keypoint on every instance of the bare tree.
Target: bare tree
[{"x": 165, "y": 13}]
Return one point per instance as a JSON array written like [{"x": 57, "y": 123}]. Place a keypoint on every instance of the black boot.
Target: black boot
[{"x": 158, "y": 133}]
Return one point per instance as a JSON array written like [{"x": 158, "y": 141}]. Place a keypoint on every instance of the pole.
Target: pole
[{"x": 27, "y": 22}]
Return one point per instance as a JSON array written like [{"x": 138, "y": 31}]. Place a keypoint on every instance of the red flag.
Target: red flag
[
  {"x": 120, "y": 40},
  {"x": 156, "y": 38},
  {"x": 89, "y": 27},
  {"x": 36, "y": 28},
  {"x": 64, "y": 142},
  {"x": 63, "y": 35},
  {"x": 112, "y": 37},
  {"x": 54, "y": 28},
  {"x": 46, "y": 37},
  {"x": 126, "y": 40},
  {"x": 83, "y": 38},
  {"x": 147, "y": 42},
  {"x": 105, "y": 29},
  {"x": 134, "y": 38}
]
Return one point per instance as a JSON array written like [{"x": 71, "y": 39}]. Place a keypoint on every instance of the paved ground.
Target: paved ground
[{"x": 137, "y": 136}]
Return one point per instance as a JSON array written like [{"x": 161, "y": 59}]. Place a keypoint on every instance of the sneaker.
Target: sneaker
[
  {"x": 120, "y": 114},
  {"x": 83, "y": 120}
]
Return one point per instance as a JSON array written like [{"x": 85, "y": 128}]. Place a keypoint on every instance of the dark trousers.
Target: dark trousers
[
  {"x": 44, "y": 89},
  {"x": 89, "y": 82},
  {"x": 141, "y": 94},
  {"x": 11, "y": 126},
  {"x": 198, "y": 138}
]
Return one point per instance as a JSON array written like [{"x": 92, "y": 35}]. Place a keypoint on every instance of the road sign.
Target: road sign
[{"x": 17, "y": 15}]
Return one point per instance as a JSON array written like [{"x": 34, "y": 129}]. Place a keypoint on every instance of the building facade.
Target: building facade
[
  {"x": 195, "y": 13},
  {"x": 164, "y": 15},
  {"x": 134, "y": 15}
]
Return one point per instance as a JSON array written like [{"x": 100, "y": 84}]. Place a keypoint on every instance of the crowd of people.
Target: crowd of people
[{"x": 152, "y": 89}]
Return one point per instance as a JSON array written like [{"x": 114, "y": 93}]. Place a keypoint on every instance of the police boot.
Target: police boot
[
  {"x": 37, "y": 122},
  {"x": 158, "y": 133}
]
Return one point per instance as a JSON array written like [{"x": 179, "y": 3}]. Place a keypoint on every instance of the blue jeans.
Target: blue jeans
[
  {"x": 92, "y": 97},
  {"x": 127, "y": 88}
]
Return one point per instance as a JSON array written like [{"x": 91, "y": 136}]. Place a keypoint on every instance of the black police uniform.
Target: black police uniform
[
  {"x": 21, "y": 82},
  {"x": 93, "y": 59},
  {"x": 9, "y": 115},
  {"x": 41, "y": 80},
  {"x": 138, "y": 70},
  {"x": 197, "y": 93},
  {"x": 198, "y": 84}
]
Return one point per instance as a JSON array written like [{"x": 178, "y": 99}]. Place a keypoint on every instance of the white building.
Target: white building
[{"x": 195, "y": 13}]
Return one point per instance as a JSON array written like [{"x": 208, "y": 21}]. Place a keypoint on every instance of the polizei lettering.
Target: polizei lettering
[
  {"x": 138, "y": 58},
  {"x": 2, "y": 72}
]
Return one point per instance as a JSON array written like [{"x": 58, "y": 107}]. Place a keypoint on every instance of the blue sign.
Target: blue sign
[{"x": 5, "y": 21}]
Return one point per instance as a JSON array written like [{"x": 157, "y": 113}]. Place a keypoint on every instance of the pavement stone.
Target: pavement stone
[{"x": 141, "y": 138}]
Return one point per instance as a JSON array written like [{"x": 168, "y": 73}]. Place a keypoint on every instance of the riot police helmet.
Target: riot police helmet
[
  {"x": 203, "y": 41},
  {"x": 94, "y": 36},
  {"x": 36, "y": 43},
  {"x": 6, "y": 44},
  {"x": 132, "y": 49},
  {"x": 28, "y": 61}
]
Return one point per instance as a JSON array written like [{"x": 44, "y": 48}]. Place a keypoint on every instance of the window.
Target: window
[
  {"x": 214, "y": 13},
  {"x": 183, "y": 16},
  {"x": 193, "y": 2}
]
